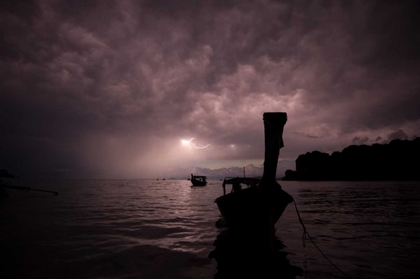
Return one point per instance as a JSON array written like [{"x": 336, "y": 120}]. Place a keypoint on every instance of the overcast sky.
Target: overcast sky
[{"x": 108, "y": 89}]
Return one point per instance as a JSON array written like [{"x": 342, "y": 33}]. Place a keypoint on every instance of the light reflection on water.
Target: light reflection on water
[{"x": 159, "y": 229}]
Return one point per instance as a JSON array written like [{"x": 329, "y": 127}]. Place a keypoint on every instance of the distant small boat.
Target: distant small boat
[{"x": 198, "y": 180}]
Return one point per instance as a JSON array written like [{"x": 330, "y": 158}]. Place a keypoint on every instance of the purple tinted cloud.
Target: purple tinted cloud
[{"x": 110, "y": 88}]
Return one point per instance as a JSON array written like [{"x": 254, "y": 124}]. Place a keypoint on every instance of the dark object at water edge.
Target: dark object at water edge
[
  {"x": 5, "y": 174},
  {"x": 198, "y": 180},
  {"x": 263, "y": 202},
  {"x": 21, "y": 188}
]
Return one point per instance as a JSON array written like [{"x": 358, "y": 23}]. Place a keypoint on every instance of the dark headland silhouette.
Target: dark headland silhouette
[{"x": 395, "y": 161}]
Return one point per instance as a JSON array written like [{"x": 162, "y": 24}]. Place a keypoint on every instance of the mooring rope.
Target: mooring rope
[{"x": 307, "y": 236}]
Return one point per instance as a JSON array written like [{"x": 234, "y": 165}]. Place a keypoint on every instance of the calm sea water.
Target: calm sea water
[{"x": 166, "y": 229}]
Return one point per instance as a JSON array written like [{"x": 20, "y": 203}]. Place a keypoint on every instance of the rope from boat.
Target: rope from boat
[{"x": 307, "y": 236}]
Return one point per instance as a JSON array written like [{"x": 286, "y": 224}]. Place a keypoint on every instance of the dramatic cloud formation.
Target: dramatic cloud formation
[{"x": 110, "y": 88}]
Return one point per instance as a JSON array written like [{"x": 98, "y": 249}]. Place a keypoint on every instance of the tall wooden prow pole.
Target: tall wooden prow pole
[
  {"x": 274, "y": 199},
  {"x": 273, "y": 133}
]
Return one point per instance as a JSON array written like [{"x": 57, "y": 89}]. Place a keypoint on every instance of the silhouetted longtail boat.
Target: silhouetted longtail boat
[
  {"x": 198, "y": 180},
  {"x": 261, "y": 204}
]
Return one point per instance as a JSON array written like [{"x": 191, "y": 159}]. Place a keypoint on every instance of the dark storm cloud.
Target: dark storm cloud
[
  {"x": 306, "y": 135},
  {"x": 398, "y": 135},
  {"x": 110, "y": 87},
  {"x": 359, "y": 140}
]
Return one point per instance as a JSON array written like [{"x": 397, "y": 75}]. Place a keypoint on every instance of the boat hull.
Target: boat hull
[
  {"x": 251, "y": 207},
  {"x": 198, "y": 183}
]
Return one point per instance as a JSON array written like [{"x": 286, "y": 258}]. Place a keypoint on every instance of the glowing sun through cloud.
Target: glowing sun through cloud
[{"x": 189, "y": 142}]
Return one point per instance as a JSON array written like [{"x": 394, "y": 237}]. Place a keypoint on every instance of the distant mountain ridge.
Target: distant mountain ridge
[{"x": 397, "y": 160}]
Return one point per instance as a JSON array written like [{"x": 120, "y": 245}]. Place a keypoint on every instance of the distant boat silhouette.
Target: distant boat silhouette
[{"x": 198, "y": 180}]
